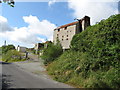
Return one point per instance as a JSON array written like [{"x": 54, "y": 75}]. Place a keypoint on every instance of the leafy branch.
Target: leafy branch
[{"x": 9, "y": 2}]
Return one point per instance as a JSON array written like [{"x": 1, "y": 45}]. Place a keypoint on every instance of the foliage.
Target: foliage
[
  {"x": 51, "y": 53},
  {"x": 0, "y": 50},
  {"x": 9, "y": 2},
  {"x": 94, "y": 58},
  {"x": 12, "y": 56},
  {"x": 7, "y": 48}
]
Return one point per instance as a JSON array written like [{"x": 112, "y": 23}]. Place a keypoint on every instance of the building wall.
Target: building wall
[
  {"x": 85, "y": 22},
  {"x": 65, "y": 34},
  {"x": 38, "y": 46},
  {"x": 21, "y": 49}
]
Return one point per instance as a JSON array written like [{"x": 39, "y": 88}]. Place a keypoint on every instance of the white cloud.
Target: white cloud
[
  {"x": 97, "y": 10},
  {"x": 51, "y": 2},
  {"x": 43, "y": 27},
  {"x": 4, "y": 25},
  {"x": 29, "y": 34}
]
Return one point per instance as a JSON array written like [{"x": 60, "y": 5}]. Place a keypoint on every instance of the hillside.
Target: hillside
[{"x": 94, "y": 58}]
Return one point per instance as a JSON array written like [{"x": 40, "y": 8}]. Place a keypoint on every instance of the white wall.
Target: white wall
[{"x": 21, "y": 49}]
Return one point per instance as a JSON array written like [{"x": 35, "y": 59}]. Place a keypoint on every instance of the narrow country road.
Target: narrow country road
[
  {"x": 15, "y": 77},
  {"x": 27, "y": 74}
]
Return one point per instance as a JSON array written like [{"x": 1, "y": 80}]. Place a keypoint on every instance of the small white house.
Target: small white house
[{"x": 21, "y": 49}]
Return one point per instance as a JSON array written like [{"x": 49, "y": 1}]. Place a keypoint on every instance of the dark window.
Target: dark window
[
  {"x": 67, "y": 35},
  {"x": 58, "y": 30},
  {"x": 65, "y": 28},
  {"x": 62, "y": 36},
  {"x": 67, "y": 39},
  {"x": 62, "y": 39}
]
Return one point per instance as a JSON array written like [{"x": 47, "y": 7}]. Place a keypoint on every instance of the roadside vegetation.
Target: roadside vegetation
[
  {"x": 9, "y": 54},
  {"x": 0, "y": 53},
  {"x": 51, "y": 53},
  {"x": 93, "y": 60}
]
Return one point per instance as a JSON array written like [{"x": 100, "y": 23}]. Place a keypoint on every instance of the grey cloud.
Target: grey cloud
[{"x": 5, "y": 27}]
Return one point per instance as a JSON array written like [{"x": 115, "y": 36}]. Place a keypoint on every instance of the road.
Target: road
[{"x": 15, "y": 77}]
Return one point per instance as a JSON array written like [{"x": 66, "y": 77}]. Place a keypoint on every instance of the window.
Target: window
[
  {"x": 62, "y": 39},
  {"x": 65, "y": 28},
  {"x": 58, "y": 30},
  {"x": 62, "y": 36},
  {"x": 67, "y": 35},
  {"x": 67, "y": 39}
]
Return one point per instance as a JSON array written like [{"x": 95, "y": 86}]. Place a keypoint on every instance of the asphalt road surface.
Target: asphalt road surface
[{"x": 15, "y": 77}]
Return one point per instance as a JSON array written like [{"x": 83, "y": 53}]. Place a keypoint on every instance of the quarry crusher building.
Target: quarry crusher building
[{"x": 66, "y": 32}]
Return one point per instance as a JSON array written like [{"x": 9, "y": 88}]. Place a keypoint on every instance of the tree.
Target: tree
[
  {"x": 9, "y": 2},
  {"x": 51, "y": 53},
  {"x": 5, "y": 49}
]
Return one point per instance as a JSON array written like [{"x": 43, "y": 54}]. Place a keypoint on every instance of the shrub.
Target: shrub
[
  {"x": 51, "y": 53},
  {"x": 93, "y": 59},
  {"x": 7, "y": 48},
  {"x": 12, "y": 56}
]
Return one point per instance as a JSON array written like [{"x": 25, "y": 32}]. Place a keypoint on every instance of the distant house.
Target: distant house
[
  {"x": 38, "y": 46},
  {"x": 46, "y": 44},
  {"x": 21, "y": 49},
  {"x": 65, "y": 33}
]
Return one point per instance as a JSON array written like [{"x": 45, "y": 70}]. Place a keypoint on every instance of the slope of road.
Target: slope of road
[{"x": 27, "y": 74}]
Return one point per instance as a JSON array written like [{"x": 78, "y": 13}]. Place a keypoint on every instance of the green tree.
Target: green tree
[
  {"x": 51, "y": 53},
  {"x": 9, "y": 2},
  {"x": 5, "y": 49}
]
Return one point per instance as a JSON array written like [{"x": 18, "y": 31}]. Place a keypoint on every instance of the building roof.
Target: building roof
[
  {"x": 66, "y": 25},
  {"x": 70, "y": 24},
  {"x": 48, "y": 42}
]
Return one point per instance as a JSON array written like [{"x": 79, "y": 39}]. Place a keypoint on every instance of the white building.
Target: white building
[{"x": 21, "y": 49}]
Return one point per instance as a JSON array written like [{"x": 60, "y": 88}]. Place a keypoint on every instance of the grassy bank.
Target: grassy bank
[
  {"x": 13, "y": 56},
  {"x": 94, "y": 58}
]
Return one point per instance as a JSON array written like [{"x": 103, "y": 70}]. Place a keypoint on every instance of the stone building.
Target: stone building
[
  {"x": 21, "y": 49},
  {"x": 47, "y": 43},
  {"x": 38, "y": 46},
  {"x": 66, "y": 32}
]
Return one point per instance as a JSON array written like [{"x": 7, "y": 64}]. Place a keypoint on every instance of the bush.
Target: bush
[
  {"x": 93, "y": 59},
  {"x": 51, "y": 53},
  {"x": 7, "y": 48},
  {"x": 12, "y": 56}
]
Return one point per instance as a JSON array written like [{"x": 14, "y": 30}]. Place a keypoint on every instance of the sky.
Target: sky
[{"x": 33, "y": 22}]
